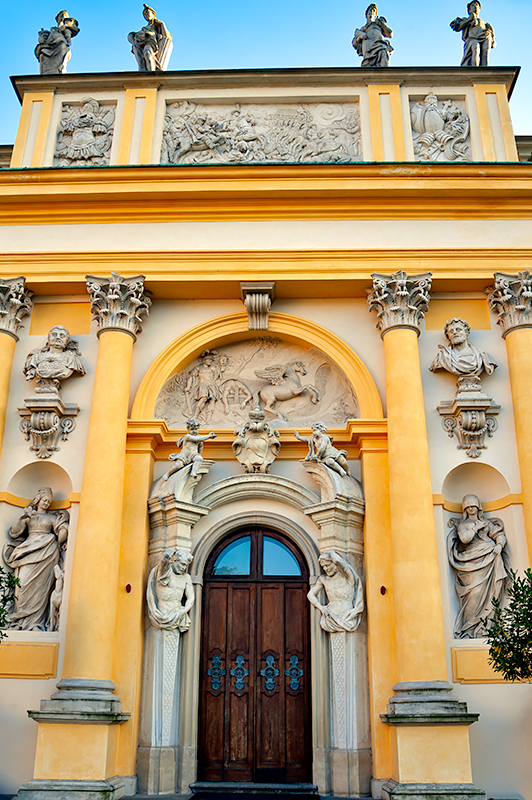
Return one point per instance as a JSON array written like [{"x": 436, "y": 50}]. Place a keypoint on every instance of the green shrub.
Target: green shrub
[
  {"x": 509, "y": 632},
  {"x": 8, "y": 584}
]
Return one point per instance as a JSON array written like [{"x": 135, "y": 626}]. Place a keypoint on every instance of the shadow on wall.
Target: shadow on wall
[{"x": 31, "y": 477}]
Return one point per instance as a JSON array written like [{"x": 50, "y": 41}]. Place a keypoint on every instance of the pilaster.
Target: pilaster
[
  {"x": 86, "y": 692},
  {"x": 15, "y": 304},
  {"x": 401, "y": 301},
  {"x": 511, "y": 299}
]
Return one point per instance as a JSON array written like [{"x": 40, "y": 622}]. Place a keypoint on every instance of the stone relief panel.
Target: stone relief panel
[
  {"x": 291, "y": 384},
  {"x": 298, "y": 133},
  {"x": 85, "y": 134},
  {"x": 440, "y": 130}
]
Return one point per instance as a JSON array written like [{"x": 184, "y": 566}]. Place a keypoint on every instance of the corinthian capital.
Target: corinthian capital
[
  {"x": 118, "y": 303},
  {"x": 511, "y": 299},
  {"x": 400, "y": 300},
  {"x": 15, "y": 303}
]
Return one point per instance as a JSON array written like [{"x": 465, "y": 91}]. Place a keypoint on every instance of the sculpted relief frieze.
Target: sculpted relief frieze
[
  {"x": 287, "y": 133},
  {"x": 85, "y": 134},
  {"x": 291, "y": 384},
  {"x": 440, "y": 130}
]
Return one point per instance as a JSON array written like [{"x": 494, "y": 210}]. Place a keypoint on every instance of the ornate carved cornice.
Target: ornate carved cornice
[
  {"x": 118, "y": 303},
  {"x": 15, "y": 303},
  {"x": 511, "y": 299},
  {"x": 400, "y": 300}
]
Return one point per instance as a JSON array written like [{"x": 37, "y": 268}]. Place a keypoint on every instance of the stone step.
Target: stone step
[{"x": 244, "y": 788}]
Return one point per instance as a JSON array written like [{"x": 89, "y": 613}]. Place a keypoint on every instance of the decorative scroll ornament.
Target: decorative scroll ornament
[
  {"x": 294, "y": 672},
  {"x": 257, "y": 444},
  {"x": 270, "y": 672},
  {"x": 400, "y": 300},
  {"x": 511, "y": 299},
  {"x": 440, "y": 130},
  {"x": 239, "y": 673},
  {"x": 119, "y": 303},
  {"x": 46, "y": 418},
  {"x": 215, "y": 672},
  {"x": 258, "y": 297},
  {"x": 15, "y": 303}
]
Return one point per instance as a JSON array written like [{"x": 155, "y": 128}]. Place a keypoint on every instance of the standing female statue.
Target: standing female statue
[
  {"x": 152, "y": 45},
  {"x": 42, "y": 535},
  {"x": 369, "y": 41},
  {"x": 53, "y": 50},
  {"x": 476, "y": 552}
]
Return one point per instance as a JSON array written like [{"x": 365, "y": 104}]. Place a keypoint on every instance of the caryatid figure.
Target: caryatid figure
[
  {"x": 370, "y": 40},
  {"x": 478, "y": 36},
  {"x": 152, "y": 45}
]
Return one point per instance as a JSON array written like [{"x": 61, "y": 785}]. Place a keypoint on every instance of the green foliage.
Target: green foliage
[
  {"x": 8, "y": 584},
  {"x": 509, "y": 631}
]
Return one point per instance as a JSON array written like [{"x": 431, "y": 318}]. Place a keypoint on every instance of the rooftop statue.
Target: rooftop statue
[
  {"x": 369, "y": 40},
  {"x": 152, "y": 45},
  {"x": 53, "y": 50},
  {"x": 478, "y": 36},
  {"x": 460, "y": 357}
]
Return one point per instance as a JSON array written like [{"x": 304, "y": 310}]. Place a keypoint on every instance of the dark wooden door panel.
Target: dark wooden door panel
[{"x": 254, "y": 699}]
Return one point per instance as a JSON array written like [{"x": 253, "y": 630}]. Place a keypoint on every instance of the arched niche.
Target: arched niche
[
  {"x": 232, "y": 328},
  {"x": 475, "y": 478},
  {"x": 31, "y": 477}
]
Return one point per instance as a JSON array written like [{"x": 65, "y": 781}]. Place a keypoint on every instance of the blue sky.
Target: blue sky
[{"x": 239, "y": 34}]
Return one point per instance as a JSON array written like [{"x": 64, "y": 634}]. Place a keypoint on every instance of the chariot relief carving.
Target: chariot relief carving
[
  {"x": 290, "y": 384},
  {"x": 308, "y": 133}
]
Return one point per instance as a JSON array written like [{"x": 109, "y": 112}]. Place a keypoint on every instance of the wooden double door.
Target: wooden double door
[{"x": 255, "y": 681}]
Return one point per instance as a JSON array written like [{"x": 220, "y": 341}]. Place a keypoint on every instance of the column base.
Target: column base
[
  {"x": 81, "y": 700},
  {"x": 392, "y": 790},
  {"x": 110, "y": 789},
  {"x": 350, "y": 772},
  {"x": 157, "y": 770}
]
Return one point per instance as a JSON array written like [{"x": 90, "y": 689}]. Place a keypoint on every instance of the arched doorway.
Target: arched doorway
[{"x": 255, "y": 681}]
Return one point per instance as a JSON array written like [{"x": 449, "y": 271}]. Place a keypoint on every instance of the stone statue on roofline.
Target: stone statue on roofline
[
  {"x": 53, "y": 49},
  {"x": 478, "y": 36},
  {"x": 370, "y": 40},
  {"x": 152, "y": 45}
]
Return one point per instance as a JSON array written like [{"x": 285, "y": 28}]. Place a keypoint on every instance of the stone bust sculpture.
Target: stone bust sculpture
[
  {"x": 152, "y": 45},
  {"x": 459, "y": 357},
  {"x": 54, "y": 362},
  {"x": 53, "y": 50},
  {"x": 344, "y": 593},
  {"x": 34, "y": 552},
  {"x": 478, "y": 36},
  {"x": 477, "y": 553},
  {"x": 369, "y": 40},
  {"x": 168, "y": 585}
]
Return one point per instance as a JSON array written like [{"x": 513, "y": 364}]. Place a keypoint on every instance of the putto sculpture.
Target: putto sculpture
[
  {"x": 344, "y": 593},
  {"x": 191, "y": 449},
  {"x": 57, "y": 360},
  {"x": 53, "y": 49},
  {"x": 35, "y": 553},
  {"x": 257, "y": 444},
  {"x": 459, "y": 357},
  {"x": 370, "y": 40},
  {"x": 478, "y": 36},
  {"x": 320, "y": 448},
  {"x": 168, "y": 585},
  {"x": 152, "y": 45},
  {"x": 477, "y": 553}
]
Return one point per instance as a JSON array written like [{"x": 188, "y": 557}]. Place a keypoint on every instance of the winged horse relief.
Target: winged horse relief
[{"x": 284, "y": 384}]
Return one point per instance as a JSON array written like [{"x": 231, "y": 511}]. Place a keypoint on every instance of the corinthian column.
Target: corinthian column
[
  {"x": 75, "y": 757},
  {"x": 15, "y": 303},
  {"x": 511, "y": 299},
  {"x": 424, "y": 716}
]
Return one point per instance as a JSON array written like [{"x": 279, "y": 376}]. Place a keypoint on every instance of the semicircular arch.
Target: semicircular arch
[{"x": 232, "y": 328}]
